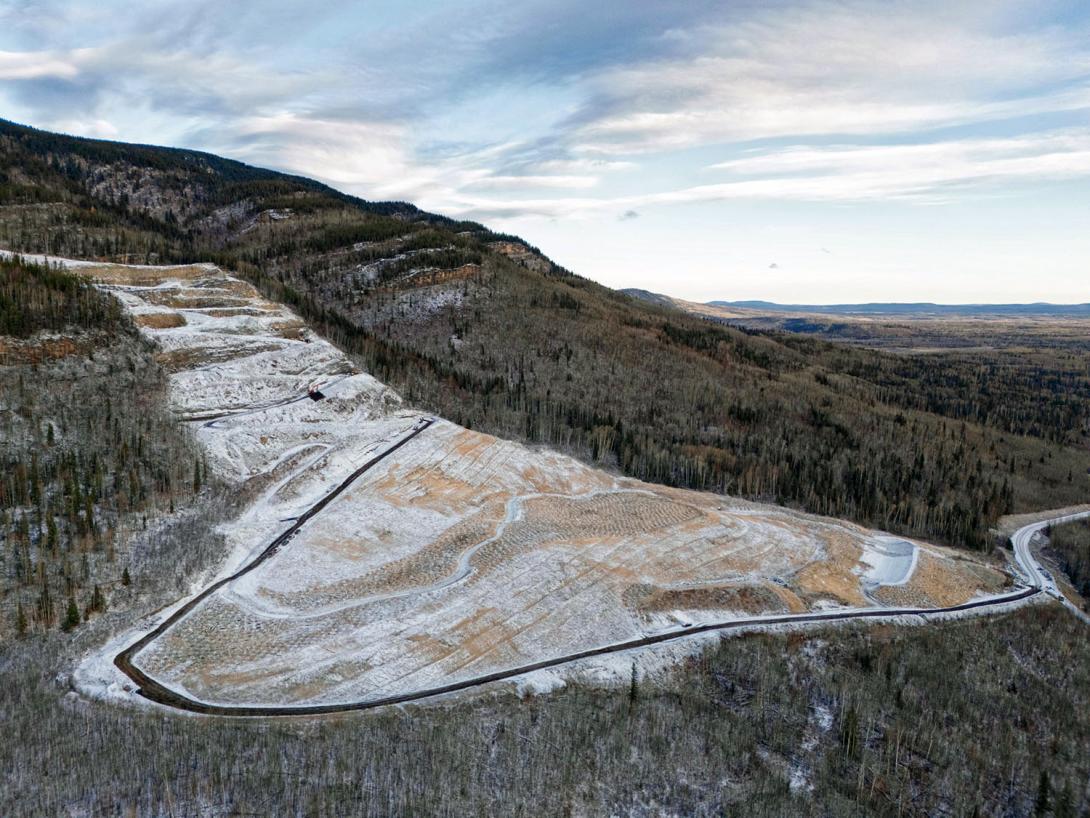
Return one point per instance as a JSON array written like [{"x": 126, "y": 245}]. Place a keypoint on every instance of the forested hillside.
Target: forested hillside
[
  {"x": 88, "y": 451},
  {"x": 487, "y": 331},
  {"x": 35, "y": 298},
  {"x": 964, "y": 719},
  {"x": 1071, "y": 544},
  {"x": 106, "y": 515}
]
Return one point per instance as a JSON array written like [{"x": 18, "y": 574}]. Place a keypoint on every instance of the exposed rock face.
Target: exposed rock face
[
  {"x": 431, "y": 277},
  {"x": 523, "y": 255}
]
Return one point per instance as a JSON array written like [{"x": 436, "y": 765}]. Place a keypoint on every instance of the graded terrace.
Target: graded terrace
[{"x": 381, "y": 551}]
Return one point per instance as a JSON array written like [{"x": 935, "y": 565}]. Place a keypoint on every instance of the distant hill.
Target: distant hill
[
  {"x": 922, "y": 308},
  {"x": 909, "y": 327},
  {"x": 650, "y": 297}
]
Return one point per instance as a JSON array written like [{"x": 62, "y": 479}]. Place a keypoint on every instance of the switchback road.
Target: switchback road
[{"x": 1037, "y": 581}]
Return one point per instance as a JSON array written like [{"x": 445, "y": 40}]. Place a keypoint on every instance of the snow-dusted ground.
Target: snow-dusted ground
[
  {"x": 458, "y": 555},
  {"x": 40, "y": 259},
  {"x": 888, "y": 562}
]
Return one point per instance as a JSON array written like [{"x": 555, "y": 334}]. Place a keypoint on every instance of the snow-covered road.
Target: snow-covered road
[{"x": 1033, "y": 572}]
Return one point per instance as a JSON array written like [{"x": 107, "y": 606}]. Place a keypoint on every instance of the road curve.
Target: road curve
[
  {"x": 1037, "y": 581},
  {"x": 149, "y": 687},
  {"x": 1032, "y": 570}
]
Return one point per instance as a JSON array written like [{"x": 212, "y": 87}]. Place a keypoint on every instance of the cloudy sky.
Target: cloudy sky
[{"x": 819, "y": 151}]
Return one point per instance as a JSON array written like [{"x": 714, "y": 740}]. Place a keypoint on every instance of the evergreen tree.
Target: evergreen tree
[
  {"x": 89, "y": 513},
  {"x": 45, "y": 599},
  {"x": 20, "y": 620},
  {"x": 98, "y": 600},
  {"x": 1040, "y": 806},
  {"x": 1065, "y": 803},
  {"x": 71, "y": 616},
  {"x": 849, "y": 731},
  {"x": 51, "y": 533}
]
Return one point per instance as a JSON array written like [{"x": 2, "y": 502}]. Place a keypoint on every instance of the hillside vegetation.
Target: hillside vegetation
[
  {"x": 980, "y": 718},
  {"x": 974, "y": 718},
  {"x": 88, "y": 452},
  {"x": 488, "y": 332},
  {"x": 35, "y": 298},
  {"x": 1071, "y": 544}
]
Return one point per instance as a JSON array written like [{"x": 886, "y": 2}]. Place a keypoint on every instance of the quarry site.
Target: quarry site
[{"x": 411, "y": 554}]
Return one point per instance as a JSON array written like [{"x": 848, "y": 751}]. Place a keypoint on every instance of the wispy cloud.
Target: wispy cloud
[
  {"x": 893, "y": 171},
  {"x": 648, "y": 81},
  {"x": 831, "y": 68},
  {"x": 15, "y": 65},
  {"x": 519, "y": 182},
  {"x": 929, "y": 172},
  {"x": 555, "y": 111},
  {"x": 371, "y": 157}
]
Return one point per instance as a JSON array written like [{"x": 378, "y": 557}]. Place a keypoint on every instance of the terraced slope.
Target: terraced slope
[{"x": 457, "y": 555}]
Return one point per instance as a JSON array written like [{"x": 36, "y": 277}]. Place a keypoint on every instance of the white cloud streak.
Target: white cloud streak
[
  {"x": 832, "y": 68},
  {"x": 27, "y": 65},
  {"x": 848, "y": 173}
]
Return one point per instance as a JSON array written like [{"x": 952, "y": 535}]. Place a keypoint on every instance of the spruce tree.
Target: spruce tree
[
  {"x": 20, "y": 620},
  {"x": 89, "y": 513},
  {"x": 45, "y": 600},
  {"x": 71, "y": 616},
  {"x": 1065, "y": 803},
  {"x": 1041, "y": 805}
]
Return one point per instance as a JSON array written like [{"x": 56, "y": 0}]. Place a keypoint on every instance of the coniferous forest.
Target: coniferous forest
[
  {"x": 1071, "y": 544},
  {"x": 88, "y": 452}
]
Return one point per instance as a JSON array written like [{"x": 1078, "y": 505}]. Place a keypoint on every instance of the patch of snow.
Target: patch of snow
[{"x": 889, "y": 561}]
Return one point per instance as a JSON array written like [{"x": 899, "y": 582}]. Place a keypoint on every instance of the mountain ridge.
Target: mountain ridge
[
  {"x": 484, "y": 329},
  {"x": 916, "y": 307},
  {"x": 882, "y": 308}
]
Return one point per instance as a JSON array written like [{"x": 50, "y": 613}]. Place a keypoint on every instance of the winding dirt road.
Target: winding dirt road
[{"x": 1037, "y": 581}]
